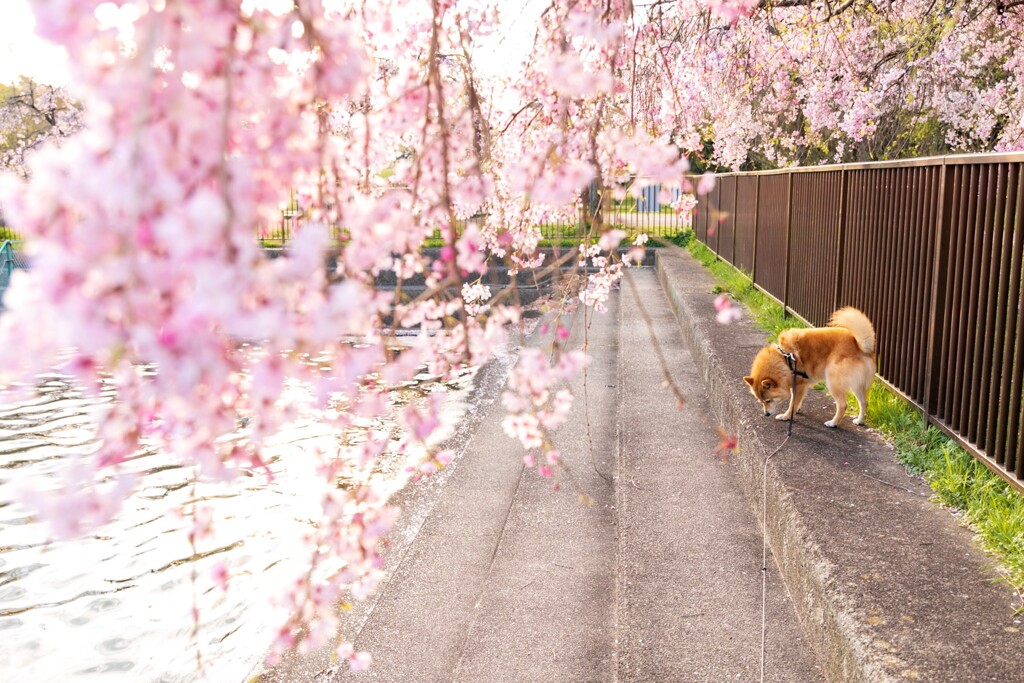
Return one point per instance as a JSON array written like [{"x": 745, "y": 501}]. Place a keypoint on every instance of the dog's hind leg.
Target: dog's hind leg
[
  {"x": 839, "y": 391},
  {"x": 862, "y": 401},
  {"x": 861, "y": 391}
]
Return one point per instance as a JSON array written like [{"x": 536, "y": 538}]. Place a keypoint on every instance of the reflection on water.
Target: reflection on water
[{"x": 116, "y": 605}]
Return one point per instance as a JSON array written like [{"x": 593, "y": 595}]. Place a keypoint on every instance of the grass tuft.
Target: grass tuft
[
  {"x": 993, "y": 509},
  {"x": 767, "y": 314}
]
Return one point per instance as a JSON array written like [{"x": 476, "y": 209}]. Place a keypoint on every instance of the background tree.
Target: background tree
[
  {"x": 815, "y": 81},
  {"x": 32, "y": 114}
]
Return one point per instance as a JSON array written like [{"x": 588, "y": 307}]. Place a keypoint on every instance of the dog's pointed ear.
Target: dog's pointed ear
[
  {"x": 767, "y": 384},
  {"x": 749, "y": 379}
]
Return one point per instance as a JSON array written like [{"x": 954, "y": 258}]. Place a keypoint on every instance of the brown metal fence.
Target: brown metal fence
[{"x": 930, "y": 249}]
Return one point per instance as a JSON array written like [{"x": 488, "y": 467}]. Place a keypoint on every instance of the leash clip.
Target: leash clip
[{"x": 791, "y": 362}]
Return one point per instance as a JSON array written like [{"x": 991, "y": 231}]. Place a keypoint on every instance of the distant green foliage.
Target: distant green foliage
[{"x": 631, "y": 205}]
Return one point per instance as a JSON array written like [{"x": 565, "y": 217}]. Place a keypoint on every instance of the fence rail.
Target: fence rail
[{"x": 930, "y": 249}]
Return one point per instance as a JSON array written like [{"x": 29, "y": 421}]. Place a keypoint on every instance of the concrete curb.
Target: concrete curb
[
  {"x": 689, "y": 586},
  {"x": 817, "y": 504},
  {"x": 802, "y": 569}
]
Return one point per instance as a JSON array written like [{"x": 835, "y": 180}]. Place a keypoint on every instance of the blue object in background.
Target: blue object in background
[{"x": 649, "y": 202}]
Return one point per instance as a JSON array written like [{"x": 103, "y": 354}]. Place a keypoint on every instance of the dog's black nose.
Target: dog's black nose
[{"x": 766, "y": 413}]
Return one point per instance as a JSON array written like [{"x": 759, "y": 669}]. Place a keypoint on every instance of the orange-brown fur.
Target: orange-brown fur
[{"x": 842, "y": 354}]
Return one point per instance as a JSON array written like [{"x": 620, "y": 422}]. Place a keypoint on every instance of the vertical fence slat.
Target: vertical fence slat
[
  {"x": 855, "y": 237},
  {"x": 828, "y": 235},
  {"x": 883, "y": 250},
  {"x": 1003, "y": 372},
  {"x": 905, "y": 235},
  {"x": 1015, "y": 449},
  {"x": 715, "y": 217},
  {"x": 1004, "y": 319},
  {"x": 757, "y": 208},
  {"x": 960, "y": 290},
  {"x": 919, "y": 266},
  {"x": 972, "y": 316},
  {"x": 883, "y": 289},
  {"x": 982, "y": 407},
  {"x": 735, "y": 216},
  {"x": 789, "y": 225},
  {"x": 934, "y": 199},
  {"x": 894, "y": 287},
  {"x": 837, "y": 297},
  {"x": 955, "y": 193}
]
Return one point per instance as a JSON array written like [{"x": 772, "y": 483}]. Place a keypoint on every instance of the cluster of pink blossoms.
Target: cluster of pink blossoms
[
  {"x": 202, "y": 119},
  {"x": 538, "y": 402},
  {"x": 795, "y": 83}
]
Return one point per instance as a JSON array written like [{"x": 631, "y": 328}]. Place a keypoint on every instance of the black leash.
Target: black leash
[{"x": 791, "y": 363}]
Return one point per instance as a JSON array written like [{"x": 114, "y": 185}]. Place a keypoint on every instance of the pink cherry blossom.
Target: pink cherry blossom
[
  {"x": 727, "y": 311},
  {"x": 220, "y": 575},
  {"x": 373, "y": 126}
]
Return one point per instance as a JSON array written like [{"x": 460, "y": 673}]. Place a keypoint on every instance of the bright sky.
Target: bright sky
[
  {"x": 512, "y": 44},
  {"x": 22, "y": 53}
]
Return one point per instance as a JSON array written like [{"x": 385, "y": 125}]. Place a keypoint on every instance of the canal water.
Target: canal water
[{"x": 116, "y": 605}]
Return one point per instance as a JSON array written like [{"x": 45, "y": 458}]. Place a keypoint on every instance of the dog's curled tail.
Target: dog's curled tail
[{"x": 857, "y": 323}]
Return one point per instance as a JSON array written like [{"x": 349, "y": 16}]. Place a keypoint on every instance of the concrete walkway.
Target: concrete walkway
[
  {"x": 494, "y": 577},
  {"x": 690, "y": 544},
  {"x": 659, "y": 580}
]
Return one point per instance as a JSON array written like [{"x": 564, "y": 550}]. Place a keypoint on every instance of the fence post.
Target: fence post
[
  {"x": 717, "y": 191},
  {"x": 840, "y": 239},
  {"x": 735, "y": 214},
  {"x": 757, "y": 209},
  {"x": 7, "y": 256},
  {"x": 943, "y": 227},
  {"x": 789, "y": 233},
  {"x": 6, "y": 268},
  {"x": 707, "y": 219}
]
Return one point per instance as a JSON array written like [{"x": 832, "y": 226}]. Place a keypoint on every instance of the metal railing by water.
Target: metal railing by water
[
  {"x": 6, "y": 268},
  {"x": 930, "y": 249},
  {"x": 12, "y": 257},
  {"x": 646, "y": 212}
]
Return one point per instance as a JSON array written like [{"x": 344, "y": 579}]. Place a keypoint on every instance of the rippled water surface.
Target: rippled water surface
[{"x": 116, "y": 605}]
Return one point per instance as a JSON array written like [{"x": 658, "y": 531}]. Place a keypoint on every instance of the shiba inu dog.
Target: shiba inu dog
[{"x": 842, "y": 354}]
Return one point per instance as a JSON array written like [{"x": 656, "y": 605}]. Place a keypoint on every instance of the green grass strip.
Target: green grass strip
[{"x": 993, "y": 509}]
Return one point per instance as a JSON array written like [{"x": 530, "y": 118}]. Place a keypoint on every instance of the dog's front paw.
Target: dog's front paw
[
  {"x": 858, "y": 421},
  {"x": 782, "y": 416},
  {"x": 831, "y": 424}
]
